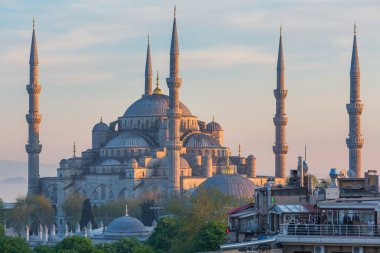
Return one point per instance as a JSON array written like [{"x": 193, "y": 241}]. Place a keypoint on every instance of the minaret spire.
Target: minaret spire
[
  {"x": 148, "y": 71},
  {"x": 174, "y": 144},
  {"x": 355, "y": 108},
  {"x": 280, "y": 120},
  {"x": 33, "y": 147}
]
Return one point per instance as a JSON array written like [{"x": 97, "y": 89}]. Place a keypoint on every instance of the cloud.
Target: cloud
[{"x": 225, "y": 56}]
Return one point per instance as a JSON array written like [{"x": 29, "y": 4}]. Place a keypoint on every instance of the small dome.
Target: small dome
[
  {"x": 153, "y": 105},
  {"x": 101, "y": 126},
  {"x": 127, "y": 140},
  {"x": 110, "y": 162},
  {"x": 126, "y": 226},
  {"x": 214, "y": 126},
  {"x": 201, "y": 141},
  {"x": 232, "y": 185},
  {"x": 163, "y": 163}
]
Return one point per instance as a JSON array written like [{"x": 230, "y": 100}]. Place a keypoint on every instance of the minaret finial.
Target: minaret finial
[
  {"x": 305, "y": 153},
  {"x": 157, "y": 90},
  {"x": 74, "y": 149},
  {"x": 34, "y": 23},
  {"x": 281, "y": 30},
  {"x": 355, "y": 28},
  {"x": 175, "y": 10},
  {"x": 213, "y": 118},
  {"x": 148, "y": 39},
  {"x": 239, "y": 150},
  {"x": 101, "y": 119}
]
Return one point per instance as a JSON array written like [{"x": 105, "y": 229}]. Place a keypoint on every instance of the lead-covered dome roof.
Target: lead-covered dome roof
[
  {"x": 201, "y": 141},
  {"x": 101, "y": 126},
  {"x": 126, "y": 226},
  {"x": 153, "y": 105},
  {"x": 214, "y": 126},
  {"x": 231, "y": 185},
  {"x": 127, "y": 140}
]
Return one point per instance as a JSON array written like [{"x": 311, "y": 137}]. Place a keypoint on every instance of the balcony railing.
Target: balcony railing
[{"x": 329, "y": 230}]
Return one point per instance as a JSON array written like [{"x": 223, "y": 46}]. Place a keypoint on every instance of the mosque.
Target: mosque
[
  {"x": 156, "y": 149},
  {"x": 159, "y": 148}
]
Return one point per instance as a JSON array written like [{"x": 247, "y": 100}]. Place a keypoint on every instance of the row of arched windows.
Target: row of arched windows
[{"x": 123, "y": 152}]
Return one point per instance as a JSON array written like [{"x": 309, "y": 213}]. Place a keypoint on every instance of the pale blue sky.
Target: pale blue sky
[{"x": 92, "y": 56}]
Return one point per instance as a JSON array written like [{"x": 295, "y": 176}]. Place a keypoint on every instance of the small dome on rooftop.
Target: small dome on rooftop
[
  {"x": 214, "y": 126},
  {"x": 101, "y": 126}
]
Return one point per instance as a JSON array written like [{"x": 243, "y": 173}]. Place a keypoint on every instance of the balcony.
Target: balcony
[{"x": 329, "y": 234}]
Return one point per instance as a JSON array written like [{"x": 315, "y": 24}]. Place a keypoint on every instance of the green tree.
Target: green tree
[
  {"x": 106, "y": 247},
  {"x": 210, "y": 236},
  {"x": 75, "y": 244},
  {"x": 14, "y": 244},
  {"x": 126, "y": 245},
  {"x": 31, "y": 210},
  {"x": 206, "y": 205},
  {"x": 113, "y": 209},
  {"x": 2, "y": 230},
  {"x": 164, "y": 234},
  {"x": 72, "y": 206},
  {"x": 44, "y": 249},
  {"x": 2, "y": 211},
  {"x": 87, "y": 215}
]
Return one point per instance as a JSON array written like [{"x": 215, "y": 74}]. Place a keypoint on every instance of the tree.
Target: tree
[
  {"x": 106, "y": 247},
  {"x": 2, "y": 211},
  {"x": 72, "y": 206},
  {"x": 126, "y": 245},
  {"x": 32, "y": 210},
  {"x": 206, "y": 205},
  {"x": 76, "y": 244},
  {"x": 44, "y": 249},
  {"x": 113, "y": 209},
  {"x": 87, "y": 215},
  {"x": 14, "y": 244},
  {"x": 164, "y": 234},
  {"x": 210, "y": 236},
  {"x": 2, "y": 230}
]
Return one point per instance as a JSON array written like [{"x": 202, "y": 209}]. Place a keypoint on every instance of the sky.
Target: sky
[{"x": 92, "y": 57}]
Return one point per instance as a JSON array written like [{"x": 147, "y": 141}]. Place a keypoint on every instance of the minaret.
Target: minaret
[
  {"x": 280, "y": 119},
  {"x": 174, "y": 115},
  {"x": 355, "y": 140},
  {"x": 33, "y": 148},
  {"x": 148, "y": 72}
]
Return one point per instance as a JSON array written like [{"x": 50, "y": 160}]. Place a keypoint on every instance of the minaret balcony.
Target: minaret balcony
[
  {"x": 280, "y": 120},
  {"x": 280, "y": 149},
  {"x": 280, "y": 93},
  {"x": 33, "y": 89},
  {"x": 357, "y": 142},
  {"x": 33, "y": 148},
  {"x": 174, "y": 82},
  {"x": 33, "y": 118},
  {"x": 355, "y": 108}
]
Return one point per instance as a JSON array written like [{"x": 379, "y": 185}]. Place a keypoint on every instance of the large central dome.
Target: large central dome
[{"x": 153, "y": 105}]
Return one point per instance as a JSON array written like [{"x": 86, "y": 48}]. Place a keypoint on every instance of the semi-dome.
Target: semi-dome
[
  {"x": 125, "y": 226},
  {"x": 163, "y": 163},
  {"x": 111, "y": 162},
  {"x": 201, "y": 141},
  {"x": 127, "y": 140},
  {"x": 101, "y": 126},
  {"x": 232, "y": 185},
  {"x": 214, "y": 126},
  {"x": 153, "y": 105}
]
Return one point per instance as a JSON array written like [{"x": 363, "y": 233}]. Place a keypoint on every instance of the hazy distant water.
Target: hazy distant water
[
  {"x": 9, "y": 192},
  {"x": 19, "y": 169}
]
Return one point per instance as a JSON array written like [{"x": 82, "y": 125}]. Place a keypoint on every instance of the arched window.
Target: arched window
[{"x": 103, "y": 192}]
